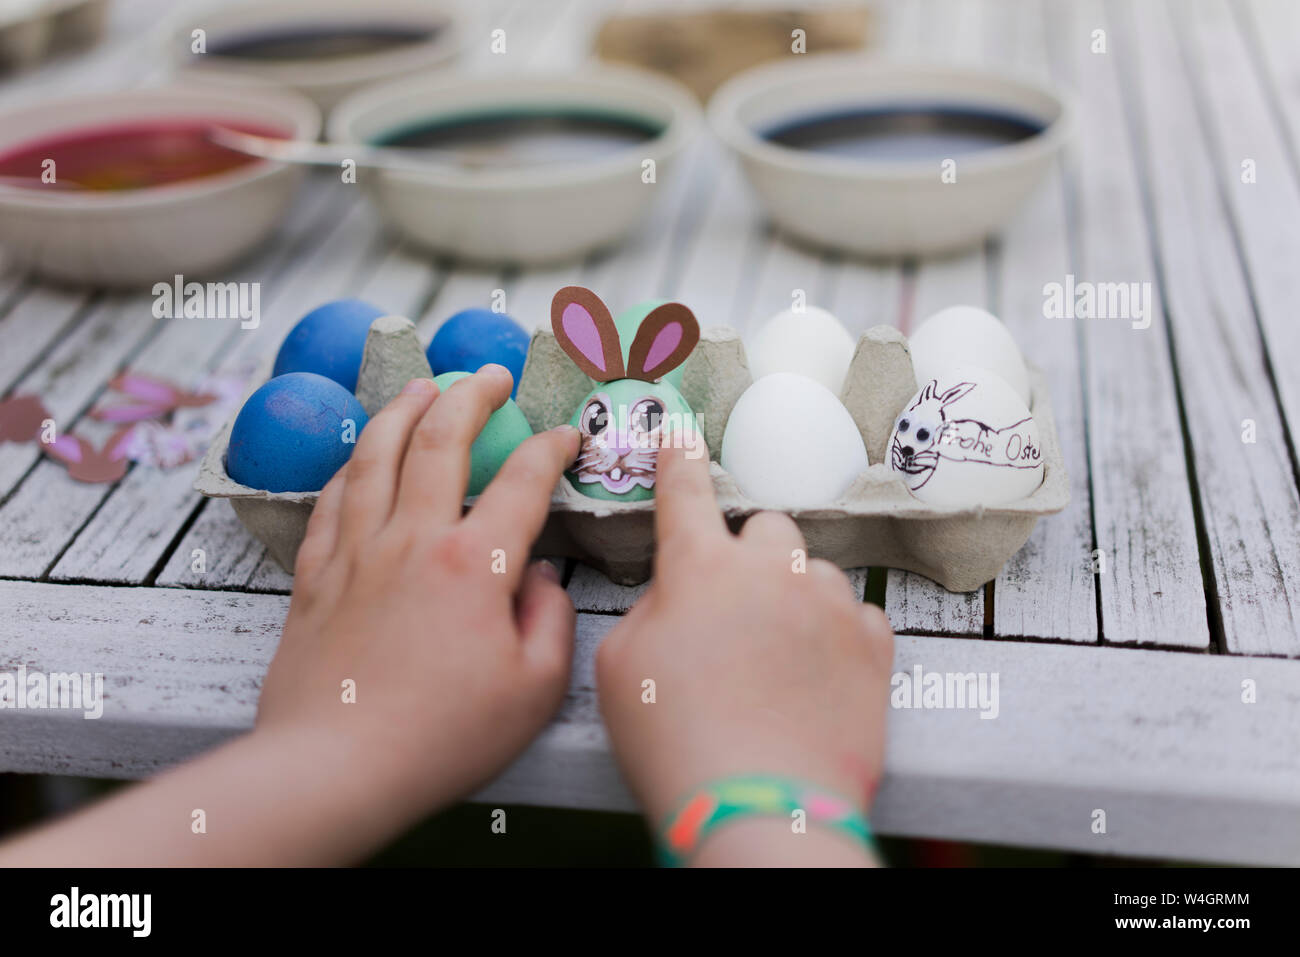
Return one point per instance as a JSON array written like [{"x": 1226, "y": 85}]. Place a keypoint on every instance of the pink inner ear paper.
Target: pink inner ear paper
[
  {"x": 581, "y": 329},
  {"x": 664, "y": 344}
]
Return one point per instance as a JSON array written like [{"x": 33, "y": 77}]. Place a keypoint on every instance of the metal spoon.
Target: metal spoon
[{"x": 403, "y": 160}]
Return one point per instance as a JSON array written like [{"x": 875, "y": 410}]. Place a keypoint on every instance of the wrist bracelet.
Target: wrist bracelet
[{"x": 742, "y": 796}]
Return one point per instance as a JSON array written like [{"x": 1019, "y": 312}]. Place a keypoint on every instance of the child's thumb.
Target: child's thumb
[{"x": 545, "y": 617}]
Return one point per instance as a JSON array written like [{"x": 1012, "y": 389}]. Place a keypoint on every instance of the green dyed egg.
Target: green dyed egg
[
  {"x": 505, "y": 429},
  {"x": 621, "y": 423}
]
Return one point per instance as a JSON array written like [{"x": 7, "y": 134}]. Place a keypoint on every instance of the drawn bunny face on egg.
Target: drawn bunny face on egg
[
  {"x": 927, "y": 434},
  {"x": 913, "y": 449},
  {"x": 624, "y": 418}
]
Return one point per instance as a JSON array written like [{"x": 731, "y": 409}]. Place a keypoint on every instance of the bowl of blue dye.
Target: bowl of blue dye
[
  {"x": 877, "y": 159},
  {"x": 520, "y": 168},
  {"x": 324, "y": 49}
]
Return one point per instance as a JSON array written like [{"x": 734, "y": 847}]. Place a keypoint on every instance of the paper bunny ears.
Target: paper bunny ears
[{"x": 588, "y": 334}]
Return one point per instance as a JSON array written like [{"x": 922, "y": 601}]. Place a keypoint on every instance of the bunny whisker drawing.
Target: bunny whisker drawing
[{"x": 636, "y": 362}]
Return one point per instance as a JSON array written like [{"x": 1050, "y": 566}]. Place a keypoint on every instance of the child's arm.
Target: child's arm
[
  {"x": 456, "y": 648},
  {"x": 764, "y": 662}
]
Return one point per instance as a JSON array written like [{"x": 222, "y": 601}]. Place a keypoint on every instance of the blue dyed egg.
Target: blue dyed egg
[
  {"x": 474, "y": 338},
  {"x": 294, "y": 433},
  {"x": 329, "y": 341},
  {"x": 505, "y": 429}
]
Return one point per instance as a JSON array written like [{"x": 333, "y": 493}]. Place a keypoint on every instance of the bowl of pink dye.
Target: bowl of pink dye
[{"x": 128, "y": 189}]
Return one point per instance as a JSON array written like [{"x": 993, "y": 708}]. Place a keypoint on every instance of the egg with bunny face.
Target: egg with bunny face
[
  {"x": 636, "y": 364},
  {"x": 967, "y": 439}
]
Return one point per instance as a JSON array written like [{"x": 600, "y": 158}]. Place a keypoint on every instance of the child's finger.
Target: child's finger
[
  {"x": 513, "y": 508},
  {"x": 879, "y": 631},
  {"x": 322, "y": 528},
  {"x": 773, "y": 531},
  {"x": 877, "y": 620},
  {"x": 373, "y": 468},
  {"x": 684, "y": 502},
  {"x": 436, "y": 471},
  {"x": 546, "y": 617}
]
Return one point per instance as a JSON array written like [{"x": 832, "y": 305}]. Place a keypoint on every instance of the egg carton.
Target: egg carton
[
  {"x": 877, "y": 522},
  {"x": 393, "y": 357}
]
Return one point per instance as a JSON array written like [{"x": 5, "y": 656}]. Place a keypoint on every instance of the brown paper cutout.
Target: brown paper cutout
[
  {"x": 21, "y": 417},
  {"x": 655, "y": 323},
  {"x": 148, "y": 398},
  {"x": 85, "y": 462},
  {"x": 604, "y": 328}
]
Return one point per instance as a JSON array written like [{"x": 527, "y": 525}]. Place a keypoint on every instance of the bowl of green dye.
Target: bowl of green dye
[{"x": 521, "y": 168}]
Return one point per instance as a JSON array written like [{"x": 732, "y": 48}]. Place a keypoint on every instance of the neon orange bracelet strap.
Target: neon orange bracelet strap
[{"x": 735, "y": 798}]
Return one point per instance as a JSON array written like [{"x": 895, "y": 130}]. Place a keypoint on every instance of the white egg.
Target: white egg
[
  {"x": 967, "y": 336},
  {"x": 790, "y": 443},
  {"x": 967, "y": 439},
  {"x": 811, "y": 342}
]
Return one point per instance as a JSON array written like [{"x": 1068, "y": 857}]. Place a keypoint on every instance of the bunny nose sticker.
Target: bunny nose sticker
[
  {"x": 967, "y": 439},
  {"x": 636, "y": 362}
]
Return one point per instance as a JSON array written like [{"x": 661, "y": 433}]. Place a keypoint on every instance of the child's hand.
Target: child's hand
[
  {"x": 757, "y": 667},
  {"x": 458, "y": 649}
]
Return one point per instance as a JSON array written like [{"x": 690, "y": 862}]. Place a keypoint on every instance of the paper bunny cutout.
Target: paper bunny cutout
[
  {"x": 149, "y": 398},
  {"x": 624, "y": 418},
  {"x": 21, "y": 417},
  {"x": 89, "y": 464}
]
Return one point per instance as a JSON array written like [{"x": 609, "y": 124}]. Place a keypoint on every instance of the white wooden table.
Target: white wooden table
[{"x": 1123, "y": 633}]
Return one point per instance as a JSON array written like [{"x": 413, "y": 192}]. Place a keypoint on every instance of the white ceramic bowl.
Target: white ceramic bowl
[
  {"x": 520, "y": 215},
  {"x": 325, "y": 79},
  {"x": 878, "y": 207},
  {"x": 138, "y": 236}
]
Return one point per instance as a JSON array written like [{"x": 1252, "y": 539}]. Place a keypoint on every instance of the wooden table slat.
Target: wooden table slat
[
  {"x": 215, "y": 552},
  {"x": 1076, "y": 728},
  {"x": 864, "y": 294},
  {"x": 403, "y": 282},
  {"x": 35, "y": 319},
  {"x": 716, "y": 256},
  {"x": 1238, "y": 86},
  {"x": 915, "y": 604},
  {"x": 1142, "y": 502},
  {"x": 73, "y": 373},
  {"x": 128, "y": 534},
  {"x": 1247, "y": 490},
  {"x": 1035, "y": 250}
]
